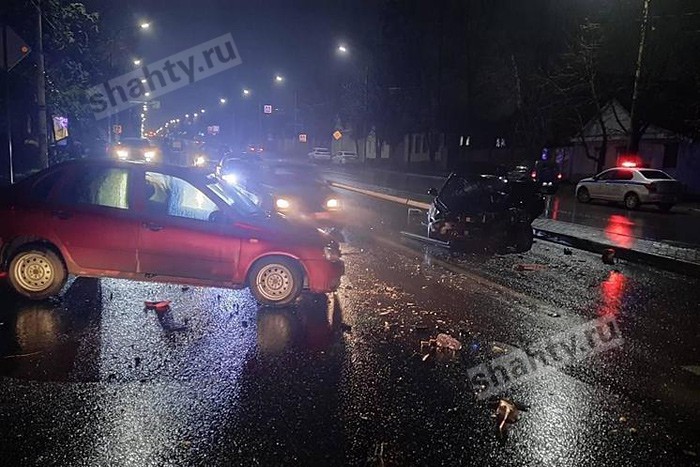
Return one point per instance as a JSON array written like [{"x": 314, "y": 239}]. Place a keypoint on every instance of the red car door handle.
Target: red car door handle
[
  {"x": 61, "y": 214},
  {"x": 152, "y": 226}
]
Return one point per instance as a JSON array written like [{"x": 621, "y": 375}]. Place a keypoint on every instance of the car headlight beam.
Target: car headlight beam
[
  {"x": 230, "y": 178},
  {"x": 149, "y": 155},
  {"x": 332, "y": 203},
  {"x": 122, "y": 153}
]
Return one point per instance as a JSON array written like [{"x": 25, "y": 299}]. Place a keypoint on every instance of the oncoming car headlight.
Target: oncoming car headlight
[
  {"x": 332, "y": 203},
  {"x": 230, "y": 178},
  {"x": 149, "y": 155},
  {"x": 332, "y": 253},
  {"x": 199, "y": 161},
  {"x": 281, "y": 203},
  {"x": 122, "y": 153}
]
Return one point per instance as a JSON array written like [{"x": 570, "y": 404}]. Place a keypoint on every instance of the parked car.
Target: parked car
[
  {"x": 320, "y": 154},
  {"x": 632, "y": 187},
  {"x": 477, "y": 206},
  {"x": 108, "y": 218},
  {"x": 345, "y": 157},
  {"x": 135, "y": 149},
  {"x": 296, "y": 191}
]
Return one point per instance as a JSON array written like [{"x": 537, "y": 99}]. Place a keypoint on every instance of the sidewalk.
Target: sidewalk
[
  {"x": 663, "y": 255},
  {"x": 659, "y": 254}
]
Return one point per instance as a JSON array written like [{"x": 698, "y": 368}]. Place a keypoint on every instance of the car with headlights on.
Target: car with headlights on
[
  {"x": 110, "y": 218},
  {"x": 135, "y": 149},
  {"x": 294, "y": 189},
  {"x": 631, "y": 186}
]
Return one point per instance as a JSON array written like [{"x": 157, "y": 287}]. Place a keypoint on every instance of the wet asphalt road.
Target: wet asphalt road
[{"x": 93, "y": 379}]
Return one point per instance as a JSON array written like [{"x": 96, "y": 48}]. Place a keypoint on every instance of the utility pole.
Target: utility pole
[
  {"x": 43, "y": 134},
  {"x": 633, "y": 142}
]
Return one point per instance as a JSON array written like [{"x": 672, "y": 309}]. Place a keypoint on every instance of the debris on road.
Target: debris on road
[
  {"x": 185, "y": 288},
  {"x": 568, "y": 252},
  {"x": 507, "y": 413},
  {"x": 158, "y": 305},
  {"x": 608, "y": 256},
  {"x": 446, "y": 341}
]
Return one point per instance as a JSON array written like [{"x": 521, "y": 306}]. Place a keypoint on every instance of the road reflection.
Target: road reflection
[
  {"x": 41, "y": 340},
  {"x": 619, "y": 231},
  {"x": 611, "y": 291}
]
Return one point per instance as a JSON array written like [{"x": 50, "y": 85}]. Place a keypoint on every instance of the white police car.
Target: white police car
[{"x": 632, "y": 186}]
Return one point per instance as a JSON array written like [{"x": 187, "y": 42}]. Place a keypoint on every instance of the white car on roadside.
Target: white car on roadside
[
  {"x": 320, "y": 154},
  {"x": 632, "y": 187},
  {"x": 345, "y": 157}
]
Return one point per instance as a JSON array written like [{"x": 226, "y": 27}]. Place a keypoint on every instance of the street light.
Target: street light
[
  {"x": 145, "y": 25},
  {"x": 246, "y": 92},
  {"x": 342, "y": 49},
  {"x": 137, "y": 61},
  {"x": 201, "y": 110},
  {"x": 279, "y": 78},
  {"x": 222, "y": 100}
]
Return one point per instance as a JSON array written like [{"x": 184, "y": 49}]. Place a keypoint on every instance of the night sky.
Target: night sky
[{"x": 296, "y": 39}]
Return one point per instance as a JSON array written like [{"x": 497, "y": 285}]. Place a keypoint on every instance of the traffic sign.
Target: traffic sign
[
  {"x": 13, "y": 51},
  {"x": 337, "y": 135},
  {"x": 302, "y": 137},
  {"x": 267, "y": 108}
]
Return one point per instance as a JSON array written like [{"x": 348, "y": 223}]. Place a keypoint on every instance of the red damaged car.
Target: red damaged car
[{"x": 108, "y": 218}]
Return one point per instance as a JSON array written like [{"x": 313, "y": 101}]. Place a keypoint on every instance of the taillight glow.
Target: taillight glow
[
  {"x": 558, "y": 176},
  {"x": 533, "y": 174}
]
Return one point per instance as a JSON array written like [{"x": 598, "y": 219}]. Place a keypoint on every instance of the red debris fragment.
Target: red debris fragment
[{"x": 160, "y": 305}]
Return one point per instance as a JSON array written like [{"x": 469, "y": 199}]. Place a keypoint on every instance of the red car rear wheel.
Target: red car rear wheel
[{"x": 37, "y": 272}]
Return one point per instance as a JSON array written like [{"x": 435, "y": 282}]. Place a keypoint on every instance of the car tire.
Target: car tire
[
  {"x": 583, "y": 196},
  {"x": 631, "y": 201},
  {"x": 36, "y": 272},
  {"x": 665, "y": 207},
  {"x": 276, "y": 281}
]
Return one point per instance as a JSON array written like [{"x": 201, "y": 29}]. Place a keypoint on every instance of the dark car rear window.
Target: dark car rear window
[{"x": 655, "y": 174}]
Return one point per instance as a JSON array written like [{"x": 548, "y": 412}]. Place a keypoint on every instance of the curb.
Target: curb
[{"x": 635, "y": 256}]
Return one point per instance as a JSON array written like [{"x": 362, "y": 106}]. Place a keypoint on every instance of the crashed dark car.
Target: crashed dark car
[{"x": 486, "y": 209}]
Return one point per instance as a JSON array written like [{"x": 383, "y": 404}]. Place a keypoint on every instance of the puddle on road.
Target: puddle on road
[{"x": 85, "y": 337}]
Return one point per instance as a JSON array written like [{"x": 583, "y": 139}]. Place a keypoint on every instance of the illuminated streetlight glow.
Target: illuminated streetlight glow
[
  {"x": 137, "y": 61},
  {"x": 147, "y": 94},
  {"x": 145, "y": 25},
  {"x": 187, "y": 115},
  {"x": 201, "y": 110},
  {"x": 196, "y": 114},
  {"x": 342, "y": 49},
  {"x": 222, "y": 100},
  {"x": 246, "y": 92},
  {"x": 279, "y": 78}
]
